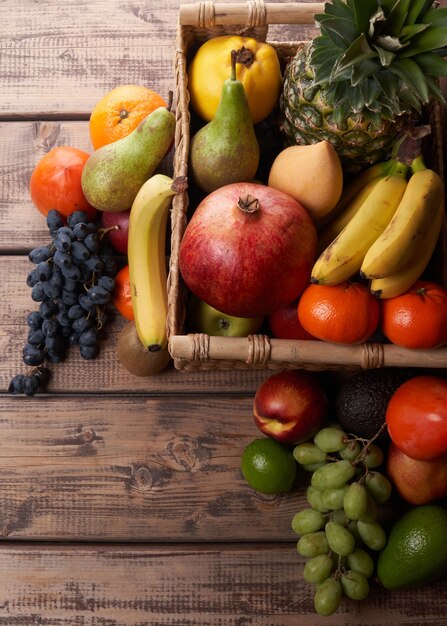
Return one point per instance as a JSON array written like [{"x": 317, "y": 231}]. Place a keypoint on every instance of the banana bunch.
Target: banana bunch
[
  {"x": 147, "y": 259},
  {"x": 386, "y": 229}
]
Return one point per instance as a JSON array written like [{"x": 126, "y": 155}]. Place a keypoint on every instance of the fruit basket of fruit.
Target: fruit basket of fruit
[{"x": 315, "y": 201}]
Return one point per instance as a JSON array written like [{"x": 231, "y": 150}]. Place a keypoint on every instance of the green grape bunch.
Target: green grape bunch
[{"x": 339, "y": 529}]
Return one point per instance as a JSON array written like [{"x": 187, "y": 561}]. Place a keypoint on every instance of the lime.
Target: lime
[
  {"x": 268, "y": 466},
  {"x": 416, "y": 552}
]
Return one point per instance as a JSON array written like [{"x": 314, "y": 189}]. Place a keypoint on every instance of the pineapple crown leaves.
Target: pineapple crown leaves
[{"x": 380, "y": 57}]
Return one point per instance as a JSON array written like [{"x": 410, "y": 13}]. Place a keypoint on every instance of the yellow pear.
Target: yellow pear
[{"x": 312, "y": 174}]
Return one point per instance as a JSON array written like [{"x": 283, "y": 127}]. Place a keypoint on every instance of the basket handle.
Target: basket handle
[
  {"x": 253, "y": 13},
  {"x": 261, "y": 350}
]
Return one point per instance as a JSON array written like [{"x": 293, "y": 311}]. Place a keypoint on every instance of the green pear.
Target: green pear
[
  {"x": 226, "y": 150},
  {"x": 113, "y": 174}
]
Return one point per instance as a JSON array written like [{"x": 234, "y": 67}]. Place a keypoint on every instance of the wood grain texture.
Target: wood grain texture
[
  {"x": 214, "y": 585},
  {"x": 134, "y": 469}
]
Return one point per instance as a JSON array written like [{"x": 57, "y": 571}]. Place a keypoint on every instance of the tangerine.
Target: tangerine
[
  {"x": 418, "y": 318},
  {"x": 122, "y": 298},
  {"x": 344, "y": 313},
  {"x": 120, "y": 111}
]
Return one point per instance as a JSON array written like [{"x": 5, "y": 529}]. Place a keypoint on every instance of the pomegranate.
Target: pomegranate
[{"x": 248, "y": 250}]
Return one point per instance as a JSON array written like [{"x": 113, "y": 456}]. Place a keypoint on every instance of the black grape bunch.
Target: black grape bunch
[{"x": 72, "y": 280}]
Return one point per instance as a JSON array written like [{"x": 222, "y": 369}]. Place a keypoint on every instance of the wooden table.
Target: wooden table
[{"x": 121, "y": 498}]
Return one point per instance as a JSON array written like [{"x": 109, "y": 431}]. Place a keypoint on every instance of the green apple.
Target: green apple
[{"x": 203, "y": 318}]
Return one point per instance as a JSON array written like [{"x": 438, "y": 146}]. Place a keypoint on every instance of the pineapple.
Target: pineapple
[{"x": 366, "y": 77}]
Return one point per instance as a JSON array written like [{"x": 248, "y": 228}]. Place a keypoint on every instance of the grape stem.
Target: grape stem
[{"x": 367, "y": 444}]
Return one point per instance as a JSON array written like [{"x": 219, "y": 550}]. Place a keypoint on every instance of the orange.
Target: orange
[
  {"x": 417, "y": 318},
  {"x": 120, "y": 111},
  {"x": 122, "y": 298},
  {"x": 343, "y": 313}
]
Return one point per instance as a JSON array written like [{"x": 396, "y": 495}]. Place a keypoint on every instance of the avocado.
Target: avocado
[
  {"x": 362, "y": 400},
  {"x": 416, "y": 552}
]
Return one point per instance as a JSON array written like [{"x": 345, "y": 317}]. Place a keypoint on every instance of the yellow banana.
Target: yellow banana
[
  {"x": 396, "y": 284},
  {"x": 404, "y": 234},
  {"x": 336, "y": 225},
  {"x": 355, "y": 186},
  {"x": 344, "y": 256},
  {"x": 147, "y": 260}
]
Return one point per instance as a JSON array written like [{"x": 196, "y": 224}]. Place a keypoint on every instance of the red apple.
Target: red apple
[
  {"x": 118, "y": 223},
  {"x": 290, "y": 406},
  {"x": 248, "y": 250},
  {"x": 284, "y": 323},
  {"x": 417, "y": 482}
]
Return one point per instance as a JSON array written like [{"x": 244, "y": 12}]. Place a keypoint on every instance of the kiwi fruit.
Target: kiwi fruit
[
  {"x": 361, "y": 400},
  {"x": 134, "y": 357}
]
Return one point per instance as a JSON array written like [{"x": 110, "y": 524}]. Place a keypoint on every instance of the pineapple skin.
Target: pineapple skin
[{"x": 306, "y": 117}]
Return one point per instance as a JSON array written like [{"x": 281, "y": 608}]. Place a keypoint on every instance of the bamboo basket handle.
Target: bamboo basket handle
[
  {"x": 261, "y": 350},
  {"x": 253, "y": 13}
]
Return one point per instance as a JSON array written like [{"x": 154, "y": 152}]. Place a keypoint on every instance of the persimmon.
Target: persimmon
[
  {"x": 418, "y": 318},
  {"x": 122, "y": 298},
  {"x": 55, "y": 182},
  {"x": 345, "y": 313},
  {"x": 120, "y": 111}
]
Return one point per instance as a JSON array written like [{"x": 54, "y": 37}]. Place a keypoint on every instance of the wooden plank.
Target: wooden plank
[
  {"x": 134, "y": 469},
  {"x": 215, "y": 585},
  {"x": 80, "y": 49},
  {"x": 103, "y": 374}
]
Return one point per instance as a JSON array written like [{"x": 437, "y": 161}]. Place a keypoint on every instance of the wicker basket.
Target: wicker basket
[{"x": 197, "y": 23}]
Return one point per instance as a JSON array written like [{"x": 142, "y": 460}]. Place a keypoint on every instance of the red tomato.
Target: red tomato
[
  {"x": 416, "y": 417},
  {"x": 56, "y": 182}
]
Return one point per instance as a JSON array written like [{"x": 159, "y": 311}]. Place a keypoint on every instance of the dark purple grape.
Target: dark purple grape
[
  {"x": 69, "y": 298},
  {"x": 81, "y": 230},
  {"x": 32, "y": 355},
  {"x": 91, "y": 242},
  {"x": 51, "y": 291},
  {"x": 32, "y": 278},
  {"x": 39, "y": 254},
  {"x": 107, "y": 283},
  {"x": 76, "y": 217},
  {"x": 72, "y": 272},
  {"x": 48, "y": 309},
  {"x": 89, "y": 337},
  {"x": 63, "y": 319},
  {"x": 88, "y": 352},
  {"x": 94, "y": 263},
  {"x": 99, "y": 295},
  {"x": 16, "y": 384},
  {"x": 81, "y": 323},
  {"x": 62, "y": 243},
  {"x": 54, "y": 220},
  {"x": 30, "y": 384},
  {"x": 38, "y": 292},
  {"x": 86, "y": 302},
  {"x": 57, "y": 278},
  {"x": 50, "y": 328},
  {"x": 79, "y": 252},
  {"x": 62, "y": 259},
  {"x": 34, "y": 319},
  {"x": 42, "y": 375},
  {"x": 36, "y": 337},
  {"x": 75, "y": 311}
]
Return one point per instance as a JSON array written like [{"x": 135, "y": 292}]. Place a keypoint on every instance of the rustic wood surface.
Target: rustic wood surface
[{"x": 121, "y": 498}]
